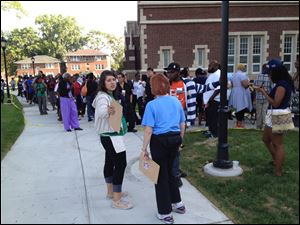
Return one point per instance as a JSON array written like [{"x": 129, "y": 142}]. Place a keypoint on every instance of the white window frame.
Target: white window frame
[
  {"x": 161, "y": 63},
  {"x": 232, "y": 54},
  {"x": 254, "y": 53},
  {"x": 205, "y": 51},
  {"x": 49, "y": 65},
  {"x": 294, "y": 49},
  {"x": 264, "y": 47},
  {"x": 75, "y": 67},
  {"x": 25, "y": 66}
]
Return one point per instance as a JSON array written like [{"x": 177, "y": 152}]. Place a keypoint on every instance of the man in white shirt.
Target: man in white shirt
[{"x": 211, "y": 99}]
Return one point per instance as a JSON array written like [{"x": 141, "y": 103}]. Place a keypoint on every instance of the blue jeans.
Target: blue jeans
[
  {"x": 175, "y": 167},
  {"x": 90, "y": 108}
]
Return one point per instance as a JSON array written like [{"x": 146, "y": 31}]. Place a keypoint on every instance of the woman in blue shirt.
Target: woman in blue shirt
[
  {"x": 164, "y": 122},
  {"x": 278, "y": 99}
]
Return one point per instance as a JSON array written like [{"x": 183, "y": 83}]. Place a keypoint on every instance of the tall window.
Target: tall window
[
  {"x": 290, "y": 50},
  {"x": 244, "y": 51},
  {"x": 231, "y": 53},
  {"x": 256, "y": 54},
  {"x": 166, "y": 57},
  {"x": 200, "y": 57}
]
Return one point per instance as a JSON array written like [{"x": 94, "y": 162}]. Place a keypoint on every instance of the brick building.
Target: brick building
[
  {"x": 87, "y": 60},
  {"x": 47, "y": 64},
  {"x": 189, "y": 32}
]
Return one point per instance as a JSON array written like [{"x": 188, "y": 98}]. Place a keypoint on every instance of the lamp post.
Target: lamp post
[
  {"x": 32, "y": 60},
  {"x": 222, "y": 166},
  {"x": 3, "y": 46}
]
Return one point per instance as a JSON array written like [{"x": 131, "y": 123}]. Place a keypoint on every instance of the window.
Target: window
[
  {"x": 290, "y": 50},
  {"x": 75, "y": 67},
  {"x": 231, "y": 53},
  {"x": 49, "y": 65},
  {"x": 248, "y": 48},
  {"x": 25, "y": 66},
  {"x": 244, "y": 52},
  {"x": 166, "y": 57},
  {"x": 99, "y": 67},
  {"x": 256, "y": 54},
  {"x": 200, "y": 57},
  {"x": 75, "y": 58}
]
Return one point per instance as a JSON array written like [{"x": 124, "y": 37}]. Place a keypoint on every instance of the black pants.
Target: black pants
[
  {"x": 115, "y": 164},
  {"x": 163, "y": 151},
  {"x": 212, "y": 117}
]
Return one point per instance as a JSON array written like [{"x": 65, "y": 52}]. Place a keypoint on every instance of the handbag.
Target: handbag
[{"x": 282, "y": 122}]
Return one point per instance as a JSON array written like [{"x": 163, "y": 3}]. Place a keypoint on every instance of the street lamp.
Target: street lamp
[
  {"x": 32, "y": 60},
  {"x": 3, "y": 46}
]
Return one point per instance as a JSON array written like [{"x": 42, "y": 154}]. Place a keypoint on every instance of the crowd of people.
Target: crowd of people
[{"x": 167, "y": 104}]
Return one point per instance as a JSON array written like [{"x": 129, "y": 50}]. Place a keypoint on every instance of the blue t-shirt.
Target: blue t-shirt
[
  {"x": 287, "y": 97},
  {"x": 164, "y": 114}
]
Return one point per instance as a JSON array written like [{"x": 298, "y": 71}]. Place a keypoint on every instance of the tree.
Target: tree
[
  {"x": 59, "y": 35},
  {"x": 13, "y": 5},
  {"x": 107, "y": 42}
]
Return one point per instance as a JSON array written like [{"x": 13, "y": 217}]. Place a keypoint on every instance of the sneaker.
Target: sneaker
[
  {"x": 178, "y": 207},
  {"x": 69, "y": 130},
  {"x": 182, "y": 173},
  {"x": 123, "y": 195},
  {"x": 78, "y": 128},
  {"x": 121, "y": 204},
  {"x": 167, "y": 219},
  {"x": 132, "y": 130},
  {"x": 179, "y": 182}
]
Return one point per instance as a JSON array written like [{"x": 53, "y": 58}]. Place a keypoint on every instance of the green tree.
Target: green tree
[
  {"x": 59, "y": 35},
  {"x": 103, "y": 41},
  {"x": 21, "y": 43},
  {"x": 13, "y": 5}
]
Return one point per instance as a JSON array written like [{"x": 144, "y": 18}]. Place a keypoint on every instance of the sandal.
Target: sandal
[
  {"x": 123, "y": 195},
  {"x": 121, "y": 204}
]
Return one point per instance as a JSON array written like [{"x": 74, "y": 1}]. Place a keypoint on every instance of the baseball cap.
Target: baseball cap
[
  {"x": 273, "y": 64},
  {"x": 173, "y": 66}
]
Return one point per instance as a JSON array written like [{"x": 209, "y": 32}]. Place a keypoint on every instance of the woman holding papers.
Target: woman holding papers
[
  {"x": 111, "y": 138},
  {"x": 164, "y": 122}
]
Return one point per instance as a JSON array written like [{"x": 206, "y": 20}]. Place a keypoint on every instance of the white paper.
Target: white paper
[{"x": 118, "y": 143}]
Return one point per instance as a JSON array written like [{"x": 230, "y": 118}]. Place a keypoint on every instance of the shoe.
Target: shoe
[
  {"x": 179, "y": 182},
  {"x": 69, "y": 130},
  {"x": 178, "y": 208},
  {"x": 182, "y": 174},
  {"x": 89, "y": 120},
  {"x": 121, "y": 204},
  {"x": 165, "y": 219},
  {"x": 123, "y": 195},
  {"x": 133, "y": 130},
  {"x": 78, "y": 128}
]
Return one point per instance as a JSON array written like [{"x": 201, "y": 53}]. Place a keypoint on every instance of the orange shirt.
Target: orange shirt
[{"x": 177, "y": 89}]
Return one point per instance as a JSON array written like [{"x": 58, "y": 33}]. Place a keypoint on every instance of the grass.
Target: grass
[
  {"x": 12, "y": 125},
  {"x": 257, "y": 196}
]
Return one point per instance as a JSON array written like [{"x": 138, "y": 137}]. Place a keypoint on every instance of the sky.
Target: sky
[{"x": 106, "y": 16}]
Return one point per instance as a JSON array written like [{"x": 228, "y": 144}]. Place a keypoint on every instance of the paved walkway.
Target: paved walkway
[{"x": 52, "y": 176}]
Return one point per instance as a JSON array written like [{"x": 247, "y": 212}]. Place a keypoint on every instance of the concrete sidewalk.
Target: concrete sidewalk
[{"x": 53, "y": 176}]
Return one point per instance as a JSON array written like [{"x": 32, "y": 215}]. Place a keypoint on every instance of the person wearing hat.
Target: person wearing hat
[
  {"x": 279, "y": 99},
  {"x": 186, "y": 92},
  {"x": 200, "y": 78},
  {"x": 240, "y": 97}
]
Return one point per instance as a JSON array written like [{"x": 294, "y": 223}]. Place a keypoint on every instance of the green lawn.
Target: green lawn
[
  {"x": 257, "y": 196},
  {"x": 12, "y": 125}
]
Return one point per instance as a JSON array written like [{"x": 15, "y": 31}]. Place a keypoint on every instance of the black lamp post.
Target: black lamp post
[
  {"x": 32, "y": 60},
  {"x": 222, "y": 160},
  {"x": 3, "y": 46}
]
